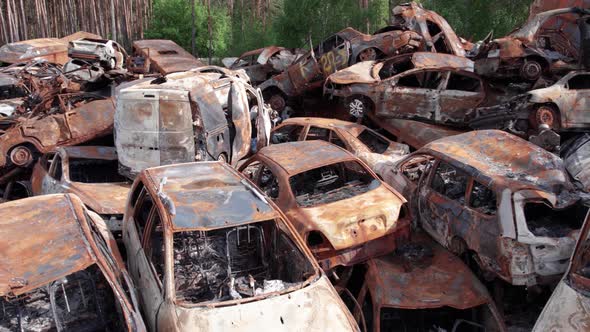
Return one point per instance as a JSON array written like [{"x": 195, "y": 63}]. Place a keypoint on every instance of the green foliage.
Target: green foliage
[
  {"x": 290, "y": 23},
  {"x": 173, "y": 20}
]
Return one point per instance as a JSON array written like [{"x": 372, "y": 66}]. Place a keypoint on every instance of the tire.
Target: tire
[
  {"x": 357, "y": 106},
  {"x": 531, "y": 69},
  {"x": 545, "y": 114},
  {"x": 370, "y": 54},
  {"x": 277, "y": 101}
]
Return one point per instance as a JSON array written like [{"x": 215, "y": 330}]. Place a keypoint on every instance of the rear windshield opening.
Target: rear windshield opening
[
  {"x": 393, "y": 68},
  {"x": 373, "y": 141},
  {"x": 235, "y": 263},
  {"x": 331, "y": 183},
  {"x": 82, "y": 301},
  {"x": 478, "y": 319},
  {"x": 542, "y": 220},
  {"x": 95, "y": 171}
]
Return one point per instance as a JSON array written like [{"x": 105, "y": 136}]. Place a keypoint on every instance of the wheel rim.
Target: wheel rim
[
  {"x": 531, "y": 70},
  {"x": 356, "y": 108},
  {"x": 277, "y": 102},
  {"x": 544, "y": 115},
  {"x": 368, "y": 55},
  {"x": 21, "y": 156}
]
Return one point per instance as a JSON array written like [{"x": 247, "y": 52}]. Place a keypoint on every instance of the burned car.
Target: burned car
[
  {"x": 161, "y": 56},
  {"x": 421, "y": 287},
  {"x": 365, "y": 143},
  {"x": 530, "y": 51},
  {"x": 212, "y": 253},
  {"x": 108, "y": 53},
  {"x": 501, "y": 202},
  {"x": 202, "y": 114},
  {"x": 564, "y": 105},
  {"x": 571, "y": 296},
  {"x": 61, "y": 270},
  {"x": 439, "y": 36},
  {"x": 90, "y": 172},
  {"x": 339, "y": 51},
  {"x": 436, "y": 87},
  {"x": 337, "y": 204},
  {"x": 72, "y": 119},
  {"x": 263, "y": 63}
]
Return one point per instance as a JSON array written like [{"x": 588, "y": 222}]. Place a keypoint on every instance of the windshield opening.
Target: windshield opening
[
  {"x": 542, "y": 220},
  {"x": 478, "y": 319},
  {"x": 331, "y": 183},
  {"x": 236, "y": 263},
  {"x": 94, "y": 171},
  {"x": 82, "y": 301},
  {"x": 373, "y": 141}
]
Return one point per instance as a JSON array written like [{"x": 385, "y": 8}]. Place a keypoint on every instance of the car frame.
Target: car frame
[
  {"x": 207, "y": 202},
  {"x": 498, "y": 201},
  {"x": 340, "y": 232},
  {"x": 52, "y": 175}
]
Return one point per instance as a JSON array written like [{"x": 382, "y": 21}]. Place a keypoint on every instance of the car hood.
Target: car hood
[
  {"x": 359, "y": 73},
  {"x": 103, "y": 198},
  {"x": 302, "y": 310},
  {"x": 356, "y": 220}
]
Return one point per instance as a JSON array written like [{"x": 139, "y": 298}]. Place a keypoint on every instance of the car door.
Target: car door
[
  {"x": 575, "y": 100},
  {"x": 413, "y": 94},
  {"x": 441, "y": 200},
  {"x": 150, "y": 265},
  {"x": 405, "y": 176},
  {"x": 90, "y": 119},
  {"x": 461, "y": 93},
  {"x": 142, "y": 209},
  {"x": 303, "y": 73}
]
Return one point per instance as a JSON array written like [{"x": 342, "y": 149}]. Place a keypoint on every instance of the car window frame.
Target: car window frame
[
  {"x": 430, "y": 179},
  {"x": 469, "y": 191},
  {"x": 154, "y": 211}
]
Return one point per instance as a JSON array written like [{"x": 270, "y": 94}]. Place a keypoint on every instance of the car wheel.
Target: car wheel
[
  {"x": 357, "y": 107},
  {"x": 545, "y": 115},
  {"x": 531, "y": 70},
  {"x": 370, "y": 54},
  {"x": 277, "y": 102},
  {"x": 21, "y": 156}
]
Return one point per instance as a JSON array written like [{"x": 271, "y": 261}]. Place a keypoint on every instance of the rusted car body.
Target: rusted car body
[
  {"x": 576, "y": 158},
  {"x": 564, "y": 105},
  {"x": 61, "y": 270},
  {"x": 212, "y": 253},
  {"x": 339, "y": 51},
  {"x": 75, "y": 121},
  {"x": 163, "y": 56},
  {"x": 438, "y": 35},
  {"x": 430, "y": 86},
  {"x": 337, "y": 204},
  {"x": 423, "y": 287},
  {"x": 504, "y": 202},
  {"x": 531, "y": 51},
  {"x": 568, "y": 309},
  {"x": 263, "y": 63},
  {"x": 202, "y": 114},
  {"x": 366, "y": 144},
  {"x": 415, "y": 134},
  {"x": 90, "y": 172}
]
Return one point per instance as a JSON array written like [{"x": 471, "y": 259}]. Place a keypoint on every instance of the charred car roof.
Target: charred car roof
[
  {"x": 423, "y": 275},
  {"x": 209, "y": 195},
  {"x": 296, "y": 157},
  {"x": 167, "y": 56},
  {"x": 368, "y": 71},
  {"x": 58, "y": 249},
  {"x": 90, "y": 152},
  {"x": 504, "y": 160},
  {"x": 351, "y": 127}
]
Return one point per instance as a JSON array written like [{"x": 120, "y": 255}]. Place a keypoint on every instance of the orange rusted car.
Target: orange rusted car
[
  {"x": 504, "y": 203},
  {"x": 78, "y": 120},
  {"x": 61, "y": 270},
  {"x": 90, "y": 172},
  {"x": 421, "y": 287},
  {"x": 365, "y": 143},
  {"x": 212, "y": 253},
  {"x": 337, "y": 204}
]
